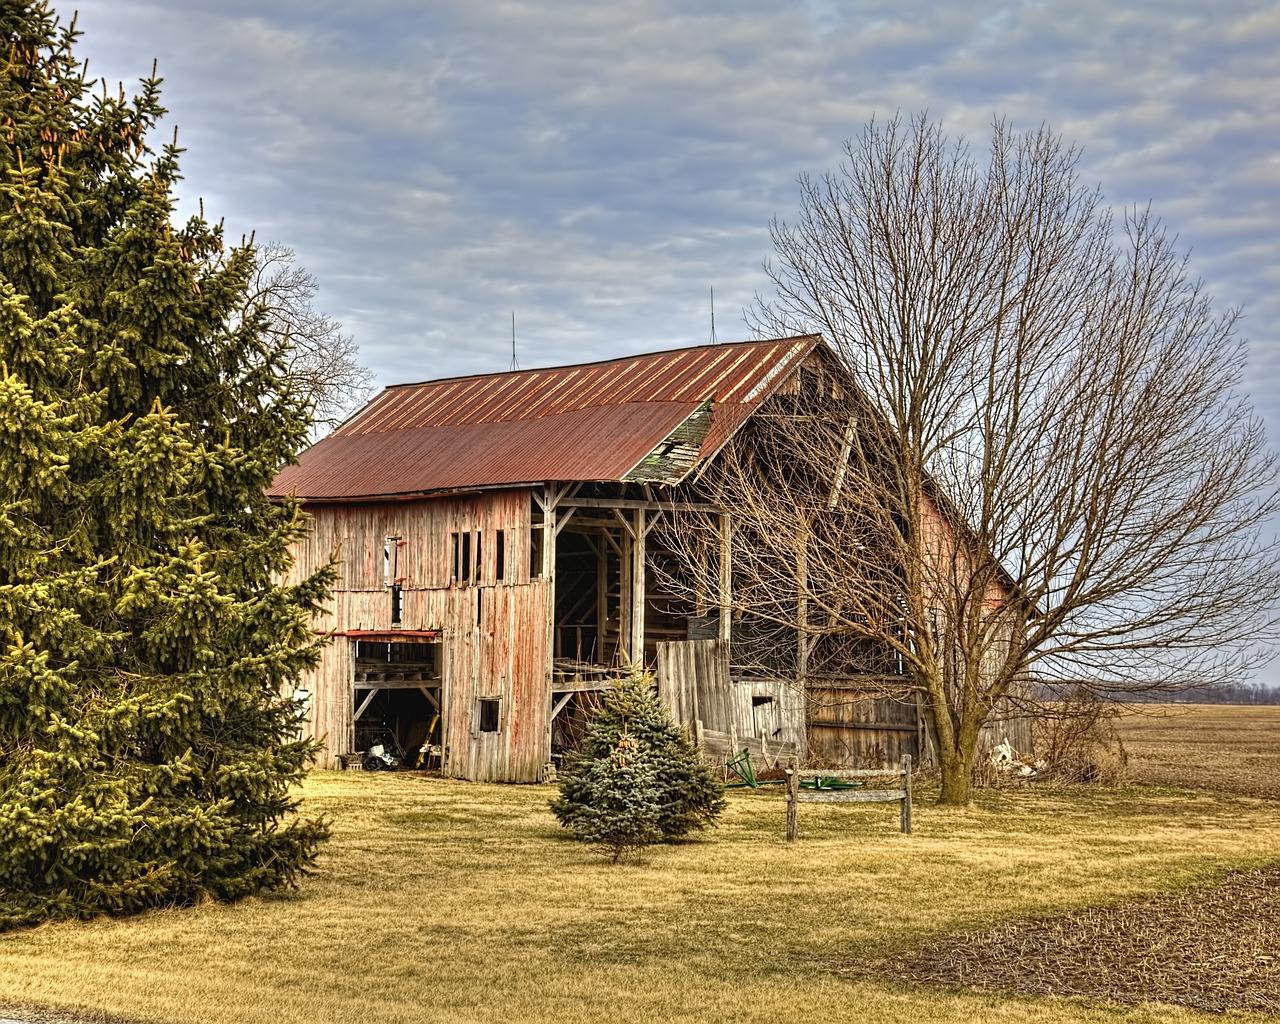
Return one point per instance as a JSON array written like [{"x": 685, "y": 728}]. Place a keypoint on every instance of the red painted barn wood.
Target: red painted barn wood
[{"x": 496, "y": 554}]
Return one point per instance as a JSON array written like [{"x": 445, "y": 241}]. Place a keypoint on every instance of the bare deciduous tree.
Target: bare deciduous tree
[
  {"x": 321, "y": 362},
  {"x": 1034, "y": 461}
]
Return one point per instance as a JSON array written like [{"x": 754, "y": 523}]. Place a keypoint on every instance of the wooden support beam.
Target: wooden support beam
[
  {"x": 431, "y": 699},
  {"x": 802, "y": 611},
  {"x": 831, "y": 723},
  {"x": 626, "y": 526},
  {"x": 636, "y": 503},
  {"x": 391, "y": 684},
  {"x": 638, "y": 589},
  {"x": 625, "y": 610},
  {"x": 584, "y": 685},
  {"x": 602, "y": 600},
  {"x": 560, "y": 705},
  {"x": 364, "y": 705},
  {"x": 726, "y": 576},
  {"x": 554, "y": 495},
  {"x": 563, "y": 520},
  {"x": 842, "y": 467}
]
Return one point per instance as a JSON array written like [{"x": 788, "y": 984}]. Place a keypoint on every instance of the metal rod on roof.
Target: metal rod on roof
[
  {"x": 714, "y": 339},
  {"x": 514, "y": 365}
]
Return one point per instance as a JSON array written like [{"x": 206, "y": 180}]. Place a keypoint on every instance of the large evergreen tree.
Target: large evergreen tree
[{"x": 147, "y": 755}]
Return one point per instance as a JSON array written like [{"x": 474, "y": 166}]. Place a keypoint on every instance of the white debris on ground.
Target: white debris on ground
[{"x": 1005, "y": 759}]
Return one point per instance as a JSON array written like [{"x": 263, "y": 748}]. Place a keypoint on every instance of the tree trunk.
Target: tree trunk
[
  {"x": 957, "y": 763},
  {"x": 957, "y": 778}
]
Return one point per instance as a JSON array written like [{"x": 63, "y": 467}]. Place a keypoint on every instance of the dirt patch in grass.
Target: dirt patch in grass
[
  {"x": 1214, "y": 948},
  {"x": 1219, "y": 747}
]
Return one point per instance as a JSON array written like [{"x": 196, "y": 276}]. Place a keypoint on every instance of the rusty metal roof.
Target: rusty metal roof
[{"x": 589, "y": 422}]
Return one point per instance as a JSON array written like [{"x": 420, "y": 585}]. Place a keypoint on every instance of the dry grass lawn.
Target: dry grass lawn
[{"x": 441, "y": 900}]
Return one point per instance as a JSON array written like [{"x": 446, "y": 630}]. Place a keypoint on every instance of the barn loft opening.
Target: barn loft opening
[
  {"x": 395, "y": 693},
  {"x": 602, "y": 585}
]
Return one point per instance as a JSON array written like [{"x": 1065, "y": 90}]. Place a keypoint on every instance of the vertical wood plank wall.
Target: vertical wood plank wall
[{"x": 503, "y": 655}]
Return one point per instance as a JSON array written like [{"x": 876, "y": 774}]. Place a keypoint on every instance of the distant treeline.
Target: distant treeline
[{"x": 1223, "y": 693}]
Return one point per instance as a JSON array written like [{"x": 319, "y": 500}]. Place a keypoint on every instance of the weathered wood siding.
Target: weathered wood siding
[
  {"x": 721, "y": 712},
  {"x": 693, "y": 682},
  {"x": 499, "y": 652},
  {"x": 853, "y": 729}
]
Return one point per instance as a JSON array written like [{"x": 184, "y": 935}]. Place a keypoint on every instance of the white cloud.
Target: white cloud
[{"x": 599, "y": 166}]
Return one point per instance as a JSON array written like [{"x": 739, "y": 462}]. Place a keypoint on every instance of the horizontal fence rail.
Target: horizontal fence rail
[{"x": 901, "y": 794}]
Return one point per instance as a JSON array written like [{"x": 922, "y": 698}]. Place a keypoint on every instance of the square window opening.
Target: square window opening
[
  {"x": 536, "y": 536},
  {"x": 489, "y": 714}
]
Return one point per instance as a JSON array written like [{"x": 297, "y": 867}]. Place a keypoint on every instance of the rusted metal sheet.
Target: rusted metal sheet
[{"x": 595, "y": 421}]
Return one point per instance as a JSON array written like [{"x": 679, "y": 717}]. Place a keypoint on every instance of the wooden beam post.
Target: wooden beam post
[
  {"x": 842, "y": 468},
  {"x": 726, "y": 576},
  {"x": 549, "y": 501},
  {"x": 637, "y": 589},
  {"x": 802, "y": 614},
  {"x": 793, "y": 800},
  {"x": 364, "y": 704},
  {"x": 602, "y": 601},
  {"x": 626, "y": 565},
  {"x": 905, "y": 822},
  {"x": 560, "y": 704}
]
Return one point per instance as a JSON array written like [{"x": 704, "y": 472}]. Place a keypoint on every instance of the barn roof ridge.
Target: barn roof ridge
[{"x": 599, "y": 362}]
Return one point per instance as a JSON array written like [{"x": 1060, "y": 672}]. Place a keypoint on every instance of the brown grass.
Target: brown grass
[
  {"x": 1213, "y": 947},
  {"x": 1221, "y": 748},
  {"x": 442, "y": 900}
]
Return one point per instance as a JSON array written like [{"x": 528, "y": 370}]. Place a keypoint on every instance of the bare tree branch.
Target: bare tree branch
[
  {"x": 1052, "y": 472},
  {"x": 321, "y": 362}
]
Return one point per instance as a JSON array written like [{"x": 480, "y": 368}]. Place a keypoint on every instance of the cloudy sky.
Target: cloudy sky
[{"x": 597, "y": 167}]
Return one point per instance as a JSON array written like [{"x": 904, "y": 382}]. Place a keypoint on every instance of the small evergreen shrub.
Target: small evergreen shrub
[
  {"x": 615, "y": 805},
  {"x": 633, "y": 726}
]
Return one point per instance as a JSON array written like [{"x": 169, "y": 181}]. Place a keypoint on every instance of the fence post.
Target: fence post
[
  {"x": 906, "y": 794},
  {"x": 793, "y": 802}
]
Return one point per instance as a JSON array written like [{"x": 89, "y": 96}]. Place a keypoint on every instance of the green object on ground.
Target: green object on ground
[
  {"x": 740, "y": 765},
  {"x": 829, "y": 783}
]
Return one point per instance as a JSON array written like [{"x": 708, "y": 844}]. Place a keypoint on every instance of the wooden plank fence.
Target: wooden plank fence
[{"x": 797, "y": 795}]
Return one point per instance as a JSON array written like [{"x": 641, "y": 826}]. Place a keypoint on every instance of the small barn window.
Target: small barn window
[
  {"x": 479, "y": 607},
  {"x": 465, "y": 557},
  {"x": 500, "y": 556},
  {"x": 391, "y": 560},
  {"x": 489, "y": 714},
  {"x": 397, "y": 604}
]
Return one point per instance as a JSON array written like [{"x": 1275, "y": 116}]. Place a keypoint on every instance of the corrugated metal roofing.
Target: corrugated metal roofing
[{"x": 589, "y": 422}]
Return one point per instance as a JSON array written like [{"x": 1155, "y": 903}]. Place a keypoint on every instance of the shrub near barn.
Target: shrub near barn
[{"x": 637, "y": 779}]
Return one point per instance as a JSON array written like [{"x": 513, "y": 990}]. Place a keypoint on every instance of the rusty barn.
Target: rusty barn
[{"x": 499, "y": 562}]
